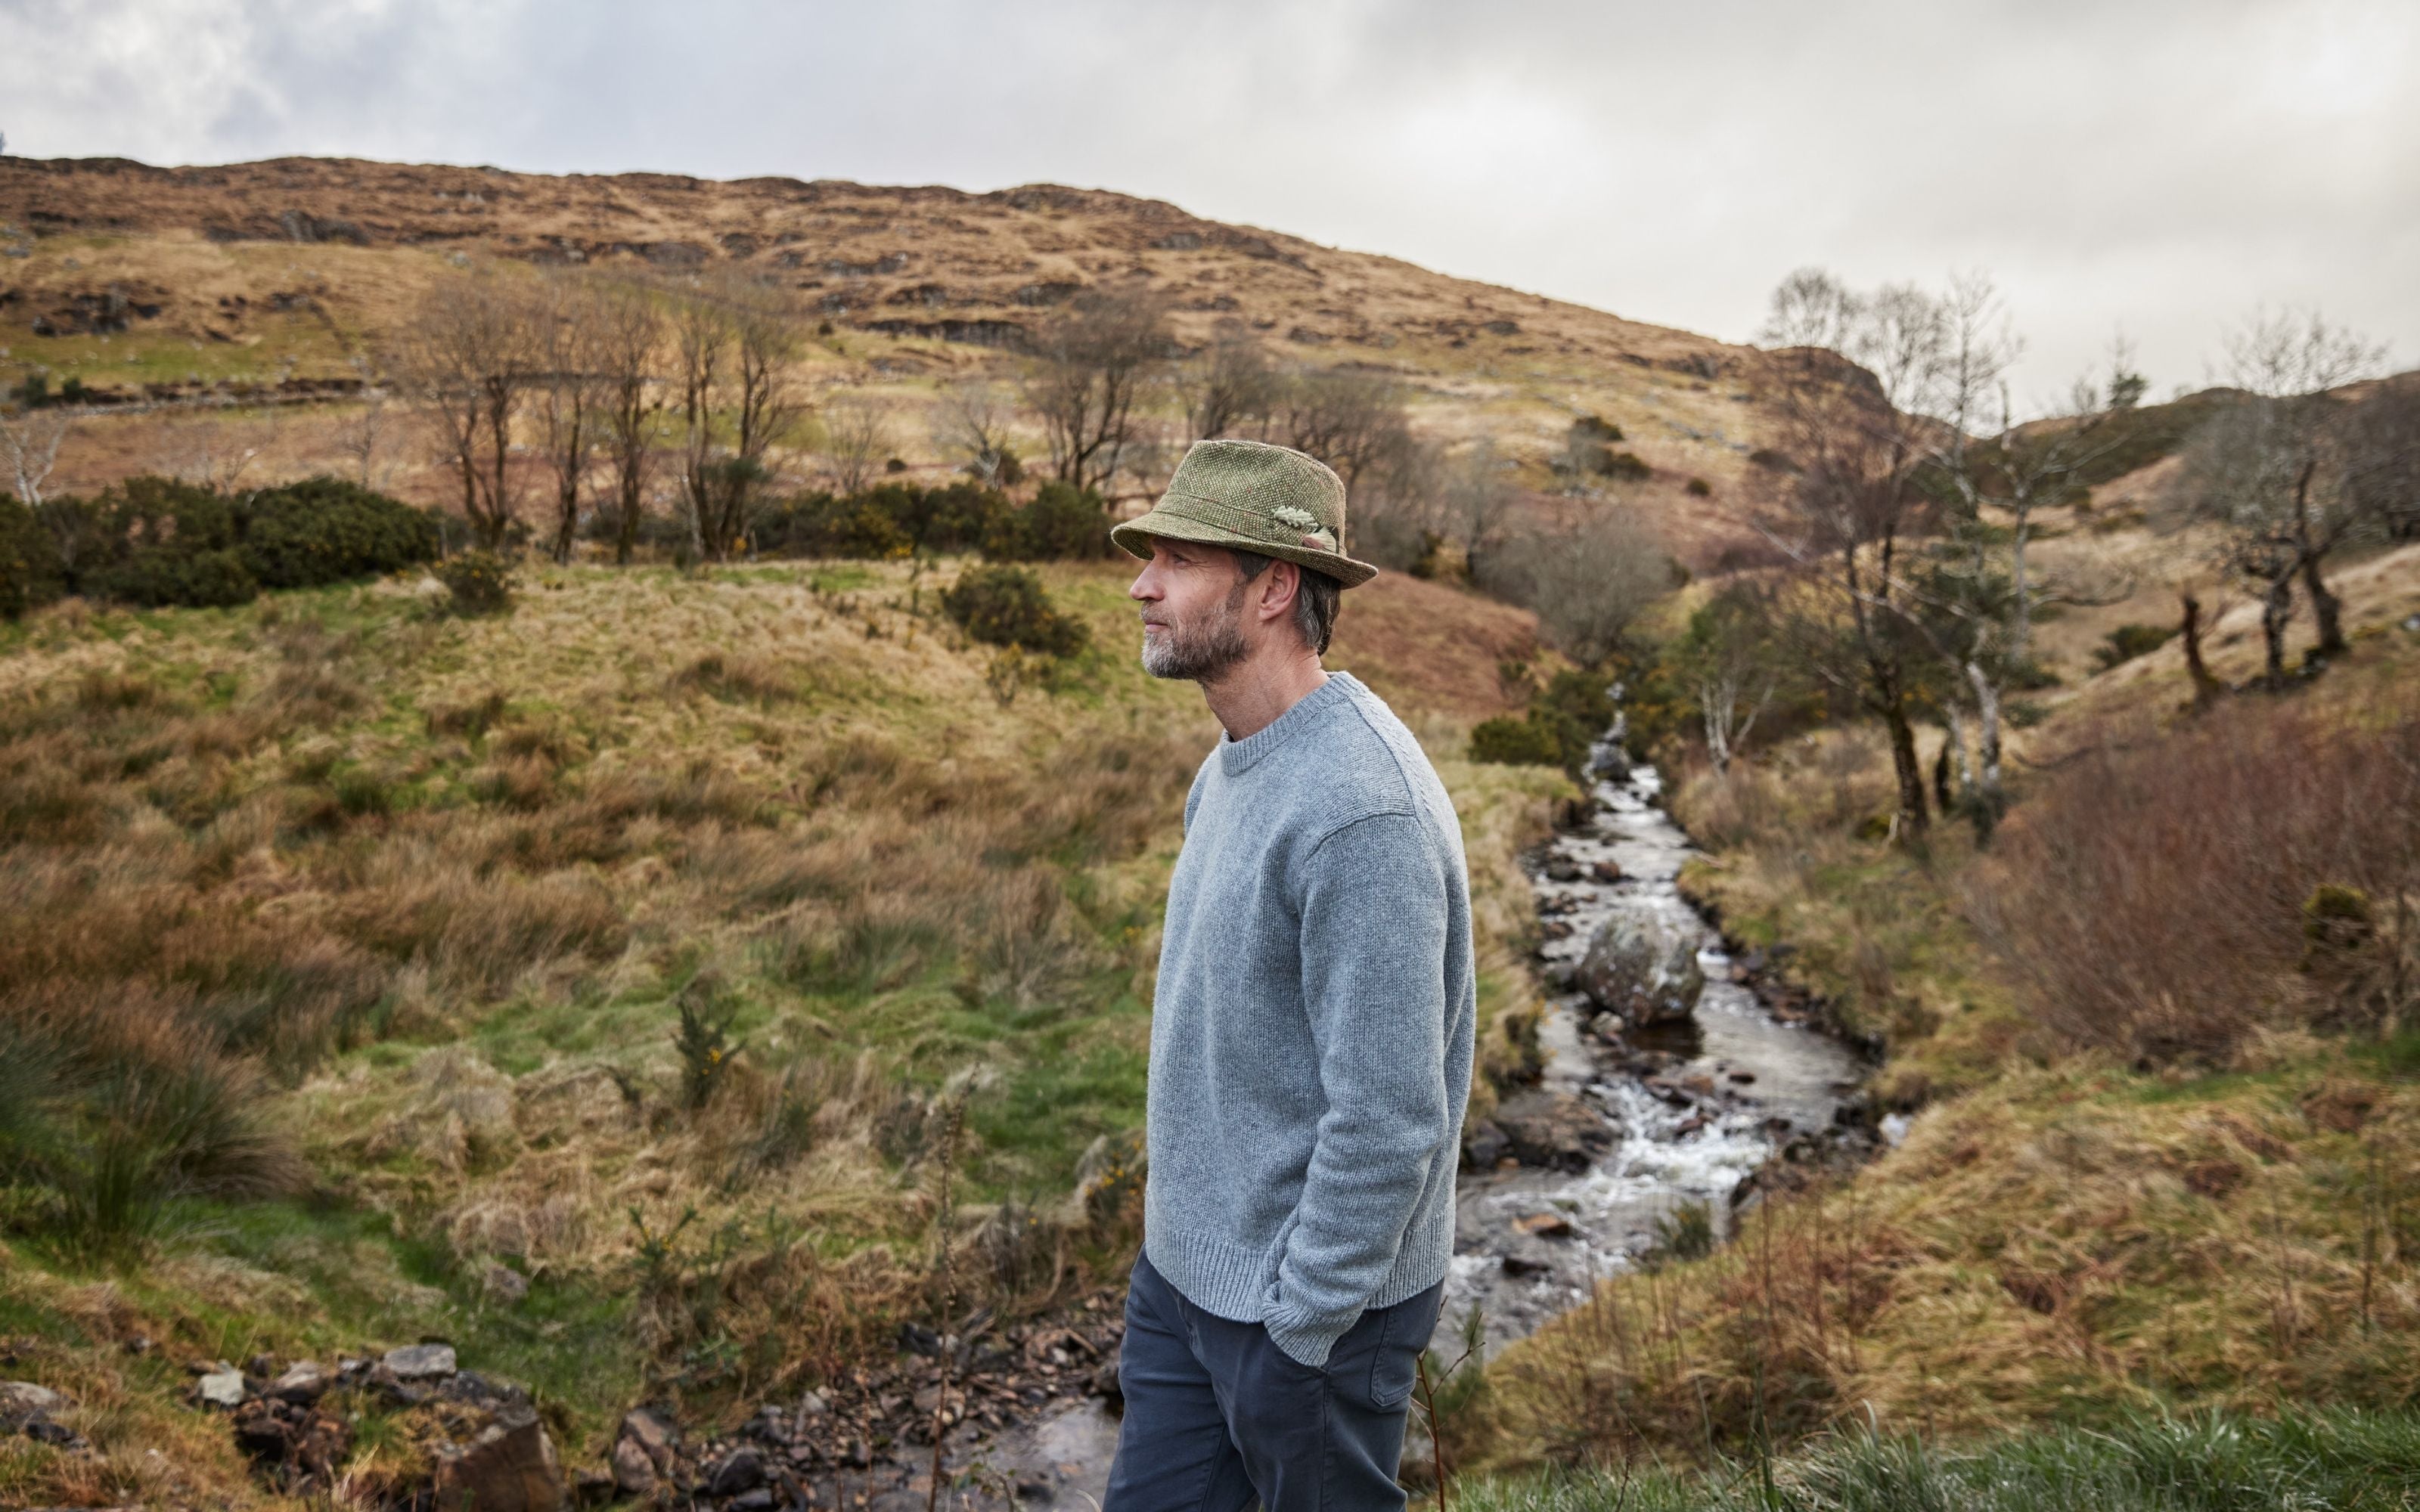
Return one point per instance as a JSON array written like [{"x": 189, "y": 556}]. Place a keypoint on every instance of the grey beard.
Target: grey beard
[{"x": 1198, "y": 655}]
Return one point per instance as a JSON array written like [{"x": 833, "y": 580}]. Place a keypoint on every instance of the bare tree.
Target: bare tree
[
  {"x": 2266, "y": 468},
  {"x": 766, "y": 404},
  {"x": 1090, "y": 368},
  {"x": 735, "y": 343},
  {"x": 1855, "y": 415},
  {"x": 973, "y": 424},
  {"x": 368, "y": 431},
  {"x": 1230, "y": 389},
  {"x": 1975, "y": 601},
  {"x": 30, "y": 444},
  {"x": 568, "y": 334},
  {"x": 629, "y": 331},
  {"x": 857, "y": 439},
  {"x": 466, "y": 358},
  {"x": 1356, "y": 422},
  {"x": 207, "y": 443},
  {"x": 702, "y": 339}
]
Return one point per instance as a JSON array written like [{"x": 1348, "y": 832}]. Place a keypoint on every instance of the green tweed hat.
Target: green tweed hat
[{"x": 1252, "y": 497}]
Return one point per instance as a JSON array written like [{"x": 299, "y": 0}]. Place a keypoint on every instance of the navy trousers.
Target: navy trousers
[{"x": 1219, "y": 1416}]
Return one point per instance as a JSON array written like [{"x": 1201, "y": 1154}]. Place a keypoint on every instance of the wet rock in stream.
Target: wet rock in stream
[{"x": 1643, "y": 969}]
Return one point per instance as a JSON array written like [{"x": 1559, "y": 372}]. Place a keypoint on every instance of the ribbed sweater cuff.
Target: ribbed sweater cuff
[{"x": 1306, "y": 1339}]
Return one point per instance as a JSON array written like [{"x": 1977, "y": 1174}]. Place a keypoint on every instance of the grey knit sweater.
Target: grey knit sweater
[{"x": 1310, "y": 1035}]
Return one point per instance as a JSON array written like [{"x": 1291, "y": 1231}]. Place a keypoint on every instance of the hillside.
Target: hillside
[
  {"x": 414, "y": 908},
  {"x": 176, "y": 282}
]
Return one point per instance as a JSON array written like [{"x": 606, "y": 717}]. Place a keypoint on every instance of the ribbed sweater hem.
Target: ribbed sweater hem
[{"x": 1239, "y": 1284}]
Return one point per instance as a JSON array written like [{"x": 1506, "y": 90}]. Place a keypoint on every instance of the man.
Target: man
[{"x": 1310, "y": 1033}]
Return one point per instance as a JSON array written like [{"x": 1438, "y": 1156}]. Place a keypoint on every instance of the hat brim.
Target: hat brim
[{"x": 1135, "y": 537}]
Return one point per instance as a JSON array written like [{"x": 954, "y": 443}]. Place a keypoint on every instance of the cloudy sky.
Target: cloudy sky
[{"x": 2155, "y": 167}]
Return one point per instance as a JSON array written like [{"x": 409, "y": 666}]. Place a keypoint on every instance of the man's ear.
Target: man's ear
[{"x": 1278, "y": 589}]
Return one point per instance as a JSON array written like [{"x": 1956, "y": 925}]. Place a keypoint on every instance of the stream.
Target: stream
[{"x": 1653, "y": 1120}]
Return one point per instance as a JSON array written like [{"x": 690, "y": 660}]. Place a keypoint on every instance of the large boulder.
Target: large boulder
[{"x": 1644, "y": 970}]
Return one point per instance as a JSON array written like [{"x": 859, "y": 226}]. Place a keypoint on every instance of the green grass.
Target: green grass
[{"x": 2349, "y": 1461}]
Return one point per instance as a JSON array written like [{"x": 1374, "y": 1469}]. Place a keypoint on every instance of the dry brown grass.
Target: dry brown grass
[
  {"x": 2061, "y": 1245},
  {"x": 436, "y": 887}
]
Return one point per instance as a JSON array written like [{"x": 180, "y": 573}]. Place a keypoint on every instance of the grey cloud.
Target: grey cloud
[{"x": 2160, "y": 164}]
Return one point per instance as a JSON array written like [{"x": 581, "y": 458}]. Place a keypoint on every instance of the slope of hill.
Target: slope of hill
[
  {"x": 432, "y": 897},
  {"x": 172, "y": 280}
]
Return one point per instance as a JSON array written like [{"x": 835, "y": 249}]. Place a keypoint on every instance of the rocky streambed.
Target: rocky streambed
[{"x": 1673, "y": 1074}]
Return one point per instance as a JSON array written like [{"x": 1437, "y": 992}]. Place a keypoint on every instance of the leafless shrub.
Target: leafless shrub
[
  {"x": 2154, "y": 902},
  {"x": 857, "y": 439},
  {"x": 1588, "y": 578}
]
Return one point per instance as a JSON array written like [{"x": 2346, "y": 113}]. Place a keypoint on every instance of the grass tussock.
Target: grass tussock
[{"x": 2355, "y": 1461}]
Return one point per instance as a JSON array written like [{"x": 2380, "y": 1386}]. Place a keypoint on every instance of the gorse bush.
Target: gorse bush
[
  {"x": 897, "y": 519},
  {"x": 1008, "y": 607},
  {"x": 326, "y": 530},
  {"x": 1564, "y": 719},
  {"x": 29, "y": 562},
  {"x": 480, "y": 582},
  {"x": 158, "y": 542}
]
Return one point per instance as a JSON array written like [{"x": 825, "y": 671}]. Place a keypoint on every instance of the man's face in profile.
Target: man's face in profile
[{"x": 1192, "y": 601}]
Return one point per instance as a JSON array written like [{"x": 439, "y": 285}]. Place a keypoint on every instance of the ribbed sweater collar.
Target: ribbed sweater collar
[{"x": 1236, "y": 757}]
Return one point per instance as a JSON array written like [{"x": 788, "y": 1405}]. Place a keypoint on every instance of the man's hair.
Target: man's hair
[{"x": 1314, "y": 602}]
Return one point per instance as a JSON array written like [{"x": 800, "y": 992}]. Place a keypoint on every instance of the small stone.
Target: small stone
[
  {"x": 759, "y": 1500},
  {"x": 1552, "y": 1129},
  {"x": 744, "y": 1470},
  {"x": 221, "y": 1388},
  {"x": 813, "y": 1405},
  {"x": 1607, "y": 872},
  {"x": 1743, "y": 1077},
  {"x": 1517, "y": 1266},
  {"x": 304, "y": 1382},
  {"x": 633, "y": 1471},
  {"x": 504, "y": 1284},
  {"x": 651, "y": 1432},
  {"x": 414, "y": 1363},
  {"x": 23, "y": 1399},
  {"x": 57, "y": 1435},
  {"x": 1546, "y": 1225}
]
